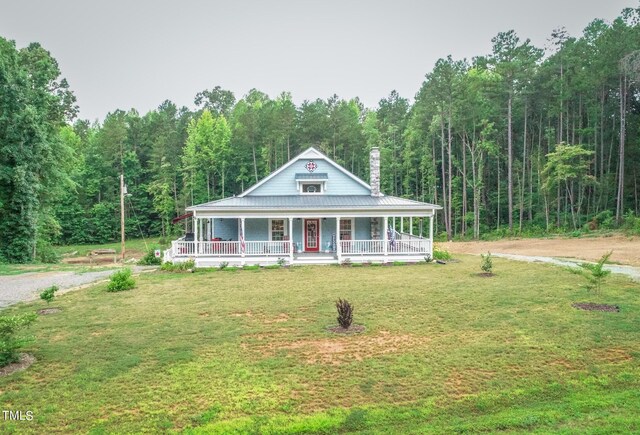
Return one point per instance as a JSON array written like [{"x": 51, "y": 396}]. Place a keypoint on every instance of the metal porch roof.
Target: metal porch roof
[{"x": 313, "y": 202}]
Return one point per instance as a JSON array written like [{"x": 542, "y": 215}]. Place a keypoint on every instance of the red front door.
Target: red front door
[{"x": 312, "y": 235}]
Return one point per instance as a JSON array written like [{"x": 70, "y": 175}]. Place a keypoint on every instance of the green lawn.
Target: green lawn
[{"x": 248, "y": 351}]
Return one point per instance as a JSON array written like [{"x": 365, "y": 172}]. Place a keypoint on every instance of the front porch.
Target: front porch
[{"x": 302, "y": 240}]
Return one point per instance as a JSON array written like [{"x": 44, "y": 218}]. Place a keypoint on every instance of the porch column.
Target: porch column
[
  {"x": 242, "y": 239},
  {"x": 386, "y": 235},
  {"x": 195, "y": 233},
  {"x": 431, "y": 236},
  {"x": 401, "y": 225},
  {"x": 290, "y": 240},
  {"x": 421, "y": 226},
  {"x": 338, "y": 245},
  {"x": 411, "y": 226}
]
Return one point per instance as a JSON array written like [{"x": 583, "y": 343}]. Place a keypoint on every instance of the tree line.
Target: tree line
[{"x": 521, "y": 139}]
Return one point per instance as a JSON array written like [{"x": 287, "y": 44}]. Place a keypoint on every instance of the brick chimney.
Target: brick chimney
[{"x": 374, "y": 177}]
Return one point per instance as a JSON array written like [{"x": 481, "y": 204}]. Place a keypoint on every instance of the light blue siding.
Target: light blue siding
[
  {"x": 256, "y": 229},
  {"x": 226, "y": 228},
  {"x": 338, "y": 183},
  {"x": 363, "y": 228}
]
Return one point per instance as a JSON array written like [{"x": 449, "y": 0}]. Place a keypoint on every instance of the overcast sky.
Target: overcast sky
[{"x": 135, "y": 54}]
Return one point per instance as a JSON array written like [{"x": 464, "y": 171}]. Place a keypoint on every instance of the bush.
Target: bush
[
  {"x": 441, "y": 254},
  {"x": 9, "y": 343},
  {"x": 49, "y": 293},
  {"x": 282, "y": 262},
  {"x": 150, "y": 258},
  {"x": 487, "y": 263},
  {"x": 345, "y": 313},
  {"x": 178, "y": 267},
  {"x": 45, "y": 252},
  {"x": 121, "y": 280},
  {"x": 346, "y": 262}
]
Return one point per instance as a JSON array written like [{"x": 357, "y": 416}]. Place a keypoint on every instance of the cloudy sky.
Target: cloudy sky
[{"x": 135, "y": 54}]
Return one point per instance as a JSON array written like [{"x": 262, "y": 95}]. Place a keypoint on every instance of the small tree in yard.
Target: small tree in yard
[
  {"x": 9, "y": 343},
  {"x": 345, "y": 313},
  {"x": 121, "y": 280},
  {"x": 487, "y": 263},
  {"x": 49, "y": 293},
  {"x": 596, "y": 272}
]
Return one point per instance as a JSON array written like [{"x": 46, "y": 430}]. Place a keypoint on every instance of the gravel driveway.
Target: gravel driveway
[
  {"x": 27, "y": 286},
  {"x": 630, "y": 271}
]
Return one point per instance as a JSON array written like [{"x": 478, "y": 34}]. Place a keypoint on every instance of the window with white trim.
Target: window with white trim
[
  {"x": 312, "y": 188},
  {"x": 346, "y": 229},
  {"x": 277, "y": 230}
]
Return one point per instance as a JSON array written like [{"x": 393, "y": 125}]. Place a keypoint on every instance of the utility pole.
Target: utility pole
[{"x": 122, "y": 249}]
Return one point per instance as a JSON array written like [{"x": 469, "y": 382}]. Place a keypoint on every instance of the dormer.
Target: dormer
[{"x": 312, "y": 183}]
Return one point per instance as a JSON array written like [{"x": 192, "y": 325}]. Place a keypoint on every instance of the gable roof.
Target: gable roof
[{"x": 310, "y": 153}]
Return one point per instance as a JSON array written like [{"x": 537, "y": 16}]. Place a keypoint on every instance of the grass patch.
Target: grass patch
[{"x": 249, "y": 352}]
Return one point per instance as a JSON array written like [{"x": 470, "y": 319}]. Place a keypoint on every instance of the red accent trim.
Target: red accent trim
[
  {"x": 181, "y": 217},
  {"x": 306, "y": 234}
]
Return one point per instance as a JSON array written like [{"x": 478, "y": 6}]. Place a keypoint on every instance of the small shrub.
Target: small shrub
[
  {"x": 596, "y": 272},
  {"x": 178, "y": 267},
  {"x": 9, "y": 343},
  {"x": 443, "y": 255},
  {"x": 282, "y": 262},
  {"x": 346, "y": 262},
  {"x": 427, "y": 258},
  {"x": 121, "y": 280},
  {"x": 45, "y": 252},
  {"x": 48, "y": 294},
  {"x": 345, "y": 313},
  {"x": 487, "y": 263},
  {"x": 150, "y": 258},
  {"x": 223, "y": 265}
]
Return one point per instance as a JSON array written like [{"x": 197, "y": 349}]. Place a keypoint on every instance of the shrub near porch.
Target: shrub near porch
[{"x": 443, "y": 350}]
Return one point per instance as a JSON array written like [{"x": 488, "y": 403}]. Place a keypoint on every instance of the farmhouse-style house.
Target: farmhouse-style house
[{"x": 311, "y": 210}]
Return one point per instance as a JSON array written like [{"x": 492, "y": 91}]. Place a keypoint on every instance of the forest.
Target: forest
[{"x": 522, "y": 140}]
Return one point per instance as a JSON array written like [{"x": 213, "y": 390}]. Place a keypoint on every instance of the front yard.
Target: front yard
[{"x": 248, "y": 351}]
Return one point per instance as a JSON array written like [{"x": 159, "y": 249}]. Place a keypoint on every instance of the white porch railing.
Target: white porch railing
[
  {"x": 410, "y": 246},
  {"x": 413, "y": 245},
  {"x": 219, "y": 249},
  {"x": 405, "y": 245},
  {"x": 362, "y": 247},
  {"x": 267, "y": 248}
]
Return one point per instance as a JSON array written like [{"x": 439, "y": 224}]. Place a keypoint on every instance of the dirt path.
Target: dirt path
[
  {"x": 26, "y": 286},
  {"x": 626, "y": 250}
]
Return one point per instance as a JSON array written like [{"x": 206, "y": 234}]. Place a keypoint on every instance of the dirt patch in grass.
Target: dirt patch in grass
[
  {"x": 353, "y": 329},
  {"x": 344, "y": 349},
  {"x": 46, "y": 311},
  {"x": 462, "y": 383},
  {"x": 590, "y": 306},
  {"x": 485, "y": 274},
  {"x": 23, "y": 363},
  {"x": 612, "y": 355}
]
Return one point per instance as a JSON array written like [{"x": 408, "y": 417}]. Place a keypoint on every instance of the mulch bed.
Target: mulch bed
[
  {"x": 46, "y": 311},
  {"x": 23, "y": 363},
  {"x": 353, "y": 329},
  {"x": 590, "y": 306}
]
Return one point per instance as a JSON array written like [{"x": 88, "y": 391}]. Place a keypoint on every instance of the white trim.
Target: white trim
[
  {"x": 310, "y": 153},
  {"x": 270, "y": 228}
]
